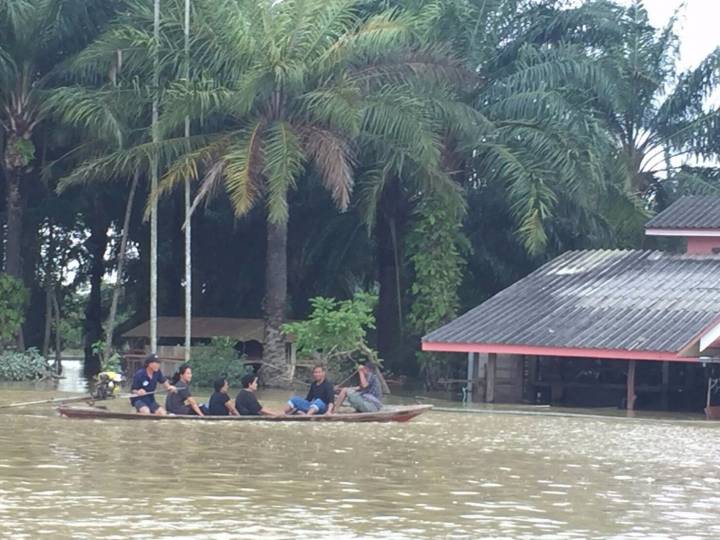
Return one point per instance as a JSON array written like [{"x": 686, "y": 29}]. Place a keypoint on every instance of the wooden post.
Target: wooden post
[
  {"x": 491, "y": 371},
  {"x": 293, "y": 360},
  {"x": 666, "y": 386},
  {"x": 631, "y": 386}
]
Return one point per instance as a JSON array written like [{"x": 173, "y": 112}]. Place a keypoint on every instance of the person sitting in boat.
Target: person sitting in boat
[
  {"x": 246, "y": 402},
  {"x": 181, "y": 401},
  {"x": 220, "y": 403},
  {"x": 320, "y": 398},
  {"x": 144, "y": 385},
  {"x": 368, "y": 396}
]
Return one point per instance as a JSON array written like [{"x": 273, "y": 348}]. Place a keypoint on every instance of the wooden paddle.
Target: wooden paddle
[{"x": 66, "y": 400}]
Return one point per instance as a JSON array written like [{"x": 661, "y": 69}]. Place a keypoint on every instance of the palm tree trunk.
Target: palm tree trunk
[
  {"x": 389, "y": 315},
  {"x": 13, "y": 259},
  {"x": 49, "y": 290},
  {"x": 275, "y": 368},
  {"x": 13, "y": 240},
  {"x": 154, "y": 182},
  {"x": 110, "y": 326},
  {"x": 58, "y": 345},
  {"x": 92, "y": 327}
]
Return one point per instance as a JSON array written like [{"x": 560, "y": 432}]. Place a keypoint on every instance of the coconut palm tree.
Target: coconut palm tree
[
  {"x": 296, "y": 85},
  {"x": 523, "y": 130},
  {"x": 35, "y": 36},
  {"x": 658, "y": 117},
  {"x": 283, "y": 87}
]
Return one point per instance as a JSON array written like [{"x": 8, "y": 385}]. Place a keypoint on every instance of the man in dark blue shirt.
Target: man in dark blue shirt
[{"x": 144, "y": 385}]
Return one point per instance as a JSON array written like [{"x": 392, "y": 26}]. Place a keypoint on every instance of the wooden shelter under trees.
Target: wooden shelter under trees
[
  {"x": 248, "y": 334},
  {"x": 603, "y": 327}
]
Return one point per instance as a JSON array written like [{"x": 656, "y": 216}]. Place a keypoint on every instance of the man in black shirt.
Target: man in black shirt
[
  {"x": 246, "y": 403},
  {"x": 320, "y": 398}
]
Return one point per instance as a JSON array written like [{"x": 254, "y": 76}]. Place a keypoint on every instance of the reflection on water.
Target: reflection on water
[
  {"x": 443, "y": 475},
  {"x": 73, "y": 379}
]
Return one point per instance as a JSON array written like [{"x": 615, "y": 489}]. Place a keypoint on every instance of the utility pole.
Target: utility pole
[
  {"x": 154, "y": 182},
  {"x": 188, "y": 229}
]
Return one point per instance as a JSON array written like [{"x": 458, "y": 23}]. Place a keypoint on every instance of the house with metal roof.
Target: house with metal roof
[{"x": 588, "y": 326}]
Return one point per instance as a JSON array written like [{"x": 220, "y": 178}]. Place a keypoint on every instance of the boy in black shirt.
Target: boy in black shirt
[
  {"x": 246, "y": 403},
  {"x": 320, "y": 398}
]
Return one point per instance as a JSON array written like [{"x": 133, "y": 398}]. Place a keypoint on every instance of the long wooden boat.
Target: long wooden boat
[{"x": 388, "y": 413}]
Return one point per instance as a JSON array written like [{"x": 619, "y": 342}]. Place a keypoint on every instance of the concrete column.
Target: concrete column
[
  {"x": 529, "y": 391},
  {"x": 631, "y": 386},
  {"x": 491, "y": 372},
  {"x": 665, "y": 386},
  {"x": 470, "y": 376}
]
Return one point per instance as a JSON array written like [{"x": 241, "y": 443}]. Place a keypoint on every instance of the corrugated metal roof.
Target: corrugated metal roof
[
  {"x": 204, "y": 327},
  {"x": 692, "y": 212},
  {"x": 602, "y": 299}
]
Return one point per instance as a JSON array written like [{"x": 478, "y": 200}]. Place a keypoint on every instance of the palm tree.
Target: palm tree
[
  {"x": 295, "y": 85},
  {"x": 519, "y": 126},
  {"x": 35, "y": 36},
  {"x": 658, "y": 118}
]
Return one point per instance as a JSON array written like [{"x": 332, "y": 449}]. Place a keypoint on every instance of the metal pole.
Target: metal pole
[
  {"x": 154, "y": 181},
  {"x": 188, "y": 231}
]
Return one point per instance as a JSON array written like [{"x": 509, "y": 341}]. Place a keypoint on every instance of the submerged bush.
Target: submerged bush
[
  {"x": 218, "y": 359},
  {"x": 13, "y": 298},
  {"x": 23, "y": 366}
]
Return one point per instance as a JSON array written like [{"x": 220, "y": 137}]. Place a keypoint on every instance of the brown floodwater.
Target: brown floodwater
[{"x": 443, "y": 475}]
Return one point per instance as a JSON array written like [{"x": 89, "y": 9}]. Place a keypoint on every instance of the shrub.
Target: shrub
[
  {"x": 336, "y": 332},
  {"x": 23, "y": 366},
  {"x": 13, "y": 297},
  {"x": 217, "y": 359}
]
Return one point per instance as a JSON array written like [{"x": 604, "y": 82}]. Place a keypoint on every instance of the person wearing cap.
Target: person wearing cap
[
  {"x": 145, "y": 383},
  {"x": 368, "y": 396}
]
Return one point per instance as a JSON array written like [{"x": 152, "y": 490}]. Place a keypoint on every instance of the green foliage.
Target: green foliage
[
  {"x": 336, "y": 330},
  {"x": 23, "y": 366},
  {"x": 24, "y": 149},
  {"x": 13, "y": 298},
  {"x": 112, "y": 363},
  {"x": 218, "y": 359},
  {"x": 435, "y": 245}
]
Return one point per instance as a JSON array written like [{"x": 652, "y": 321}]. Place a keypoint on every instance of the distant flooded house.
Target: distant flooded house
[
  {"x": 247, "y": 335},
  {"x": 603, "y": 327}
]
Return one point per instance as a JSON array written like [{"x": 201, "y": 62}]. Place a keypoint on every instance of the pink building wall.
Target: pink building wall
[{"x": 702, "y": 245}]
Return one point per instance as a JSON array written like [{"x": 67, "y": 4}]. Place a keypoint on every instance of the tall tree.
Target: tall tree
[
  {"x": 35, "y": 36},
  {"x": 295, "y": 90}
]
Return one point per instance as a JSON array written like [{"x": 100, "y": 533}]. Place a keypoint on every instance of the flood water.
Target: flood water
[{"x": 443, "y": 475}]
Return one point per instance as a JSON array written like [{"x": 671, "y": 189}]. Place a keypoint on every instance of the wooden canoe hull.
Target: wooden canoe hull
[
  {"x": 388, "y": 414},
  {"x": 712, "y": 412}
]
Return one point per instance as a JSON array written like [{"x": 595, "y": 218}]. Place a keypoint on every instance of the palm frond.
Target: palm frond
[
  {"x": 244, "y": 163},
  {"x": 332, "y": 156},
  {"x": 283, "y": 162}
]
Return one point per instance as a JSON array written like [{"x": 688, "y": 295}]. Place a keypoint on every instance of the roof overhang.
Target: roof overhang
[
  {"x": 705, "y": 342},
  {"x": 574, "y": 352},
  {"x": 659, "y": 231}
]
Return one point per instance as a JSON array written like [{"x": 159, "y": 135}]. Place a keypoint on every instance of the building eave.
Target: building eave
[
  {"x": 686, "y": 232},
  {"x": 574, "y": 352}
]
